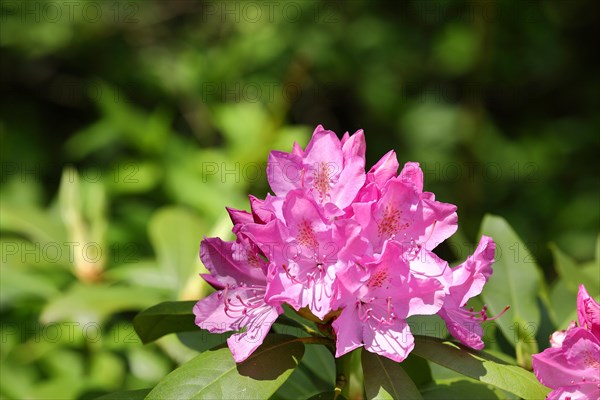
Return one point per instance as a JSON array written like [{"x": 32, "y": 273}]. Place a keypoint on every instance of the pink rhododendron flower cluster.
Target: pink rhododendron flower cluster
[
  {"x": 571, "y": 366},
  {"x": 354, "y": 248}
]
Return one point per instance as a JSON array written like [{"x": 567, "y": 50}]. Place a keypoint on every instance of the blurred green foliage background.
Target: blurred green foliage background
[{"x": 152, "y": 116}]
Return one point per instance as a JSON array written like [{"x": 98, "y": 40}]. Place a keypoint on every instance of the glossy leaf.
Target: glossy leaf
[
  {"x": 461, "y": 389},
  {"x": 386, "y": 379},
  {"x": 214, "y": 374},
  {"x": 480, "y": 366},
  {"x": 202, "y": 340},
  {"x": 516, "y": 281},
  {"x": 165, "y": 318},
  {"x": 315, "y": 374}
]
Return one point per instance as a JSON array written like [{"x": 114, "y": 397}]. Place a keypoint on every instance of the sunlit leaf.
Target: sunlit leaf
[
  {"x": 480, "y": 366},
  {"x": 460, "y": 389},
  {"x": 214, "y": 373}
]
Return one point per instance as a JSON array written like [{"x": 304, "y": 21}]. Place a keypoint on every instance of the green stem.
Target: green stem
[
  {"x": 349, "y": 377},
  {"x": 342, "y": 376}
]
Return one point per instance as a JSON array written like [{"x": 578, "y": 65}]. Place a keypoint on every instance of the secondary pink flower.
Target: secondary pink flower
[
  {"x": 376, "y": 298},
  {"x": 239, "y": 303},
  {"x": 331, "y": 170},
  {"x": 572, "y": 365},
  {"x": 588, "y": 312},
  {"x": 468, "y": 280}
]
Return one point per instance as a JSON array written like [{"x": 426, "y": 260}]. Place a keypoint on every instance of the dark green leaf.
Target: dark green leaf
[
  {"x": 315, "y": 374},
  {"x": 215, "y": 375},
  {"x": 202, "y": 340},
  {"x": 417, "y": 369},
  {"x": 165, "y": 318},
  {"x": 480, "y": 366},
  {"x": 458, "y": 390},
  {"x": 385, "y": 379}
]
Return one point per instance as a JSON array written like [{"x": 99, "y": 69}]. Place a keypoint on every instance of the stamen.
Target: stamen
[
  {"x": 481, "y": 315},
  {"x": 289, "y": 275}
]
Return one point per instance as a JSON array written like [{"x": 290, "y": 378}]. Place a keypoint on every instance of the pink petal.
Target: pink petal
[
  {"x": 588, "y": 311},
  {"x": 412, "y": 175},
  {"x": 284, "y": 172},
  {"x": 470, "y": 276},
  {"x": 585, "y": 391},
  {"x": 217, "y": 257},
  {"x": 348, "y": 331},
  {"x": 385, "y": 169},
  {"x": 242, "y": 345},
  {"x": 578, "y": 358},
  {"x": 582, "y": 350},
  {"x": 239, "y": 216},
  {"x": 352, "y": 176},
  {"x": 441, "y": 222},
  {"x": 468, "y": 331},
  {"x": 393, "y": 341},
  {"x": 259, "y": 213}
]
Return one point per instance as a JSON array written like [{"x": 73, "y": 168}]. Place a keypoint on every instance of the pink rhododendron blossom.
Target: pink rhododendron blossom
[
  {"x": 571, "y": 367},
  {"x": 345, "y": 247}
]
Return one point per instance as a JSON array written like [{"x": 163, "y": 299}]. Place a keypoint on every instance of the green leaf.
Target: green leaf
[
  {"x": 461, "y": 389},
  {"x": 17, "y": 284},
  {"x": 139, "y": 394},
  {"x": 202, "y": 340},
  {"x": 572, "y": 274},
  {"x": 598, "y": 250},
  {"x": 564, "y": 304},
  {"x": 37, "y": 225},
  {"x": 214, "y": 374},
  {"x": 331, "y": 395},
  {"x": 515, "y": 281},
  {"x": 417, "y": 369},
  {"x": 480, "y": 366},
  {"x": 87, "y": 304},
  {"x": 165, "y": 318},
  {"x": 175, "y": 234},
  {"x": 315, "y": 374},
  {"x": 385, "y": 379}
]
